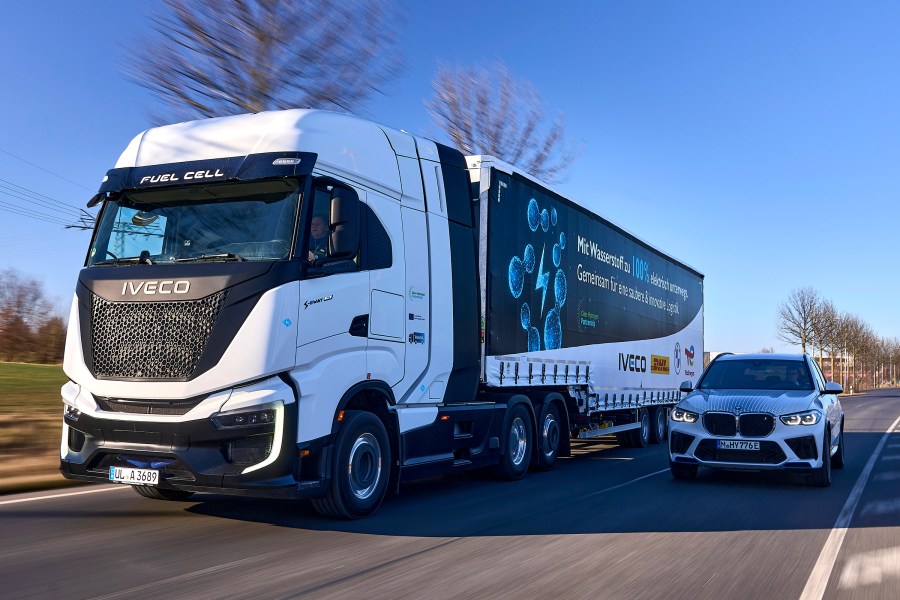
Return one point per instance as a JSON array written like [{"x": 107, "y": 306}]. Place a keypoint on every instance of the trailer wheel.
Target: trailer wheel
[
  {"x": 360, "y": 469},
  {"x": 658, "y": 420},
  {"x": 161, "y": 493},
  {"x": 517, "y": 438},
  {"x": 640, "y": 437},
  {"x": 549, "y": 437}
]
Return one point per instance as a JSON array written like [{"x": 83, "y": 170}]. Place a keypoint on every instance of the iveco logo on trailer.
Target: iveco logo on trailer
[
  {"x": 167, "y": 286},
  {"x": 632, "y": 362},
  {"x": 188, "y": 176}
]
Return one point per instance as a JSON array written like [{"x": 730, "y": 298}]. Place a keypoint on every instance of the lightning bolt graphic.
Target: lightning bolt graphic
[{"x": 542, "y": 280}]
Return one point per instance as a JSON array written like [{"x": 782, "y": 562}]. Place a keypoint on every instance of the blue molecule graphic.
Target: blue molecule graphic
[
  {"x": 534, "y": 216},
  {"x": 562, "y": 240},
  {"x": 529, "y": 258},
  {"x": 525, "y": 315},
  {"x": 556, "y": 255},
  {"x": 534, "y": 339},
  {"x": 560, "y": 288},
  {"x": 545, "y": 220},
  {"x": 516, "y": 276},
  {"x": 553, "y": 217},
  {"x": 552, "y": 330}
]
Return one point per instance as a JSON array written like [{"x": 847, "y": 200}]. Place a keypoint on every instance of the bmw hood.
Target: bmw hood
[{"x": 776, "y": 402}]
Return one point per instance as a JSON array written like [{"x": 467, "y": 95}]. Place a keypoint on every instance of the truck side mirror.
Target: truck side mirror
[{"x": 344, "y": 225}]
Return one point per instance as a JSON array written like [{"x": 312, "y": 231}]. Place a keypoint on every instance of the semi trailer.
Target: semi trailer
[{"x": 305, "y": 304}]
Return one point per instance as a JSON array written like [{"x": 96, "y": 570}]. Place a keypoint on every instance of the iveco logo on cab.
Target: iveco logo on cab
[
  {"x": 632, "y": 362},
  {"x": 167, "y": 286}
]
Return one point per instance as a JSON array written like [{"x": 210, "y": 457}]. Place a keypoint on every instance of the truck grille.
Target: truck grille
[{"x": 151, "y": 340}]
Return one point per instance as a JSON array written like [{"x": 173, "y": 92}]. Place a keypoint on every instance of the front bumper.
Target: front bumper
[
  {"x": 195, "y": 455},
  {"x": 794, "y": 448}
]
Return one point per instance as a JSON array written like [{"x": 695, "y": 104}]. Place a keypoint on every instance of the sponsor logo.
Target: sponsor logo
[
  {"x": 415, "y": 294},
  {"x": 417, "y": 338},
  {"x": 309, "y": 303},
  {"x": 187, "y": 176},
  {"x": 415, "y": 317},
  {"x": 167, "y": 286},
  {"x": 659, "y": 364},
  {"x": 689, "y": 355},
  {"x": 632, "y": 362},
  {"x": 677, "y": 357}
]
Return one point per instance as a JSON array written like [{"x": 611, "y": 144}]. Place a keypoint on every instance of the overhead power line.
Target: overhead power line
[
  {"x": 5, "y": 183},
  {"x": 28, "y": 162}
]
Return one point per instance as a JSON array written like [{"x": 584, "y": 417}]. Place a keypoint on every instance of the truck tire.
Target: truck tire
[
  {"x": 549, "y": 437},
  {"x": 360, "y": 469},
  {"x": 658, "y": 425},
  {"x": 680, "y": 471},
  {"x": 640, "y": 437},
  {"x": 517, "y": 442},
  {"x": 161, "y": 494},
  {"x": 821, "y": 477}
]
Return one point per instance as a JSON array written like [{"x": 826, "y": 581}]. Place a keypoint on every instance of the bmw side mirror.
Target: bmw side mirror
[
  {"x": 832, "y": 387},
  {"x": 687, "y": 387}
]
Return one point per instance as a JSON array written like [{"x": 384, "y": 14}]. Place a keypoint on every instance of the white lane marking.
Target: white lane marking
[
  {"x": 888, "y": 476},
  {"x": 821, "y": 573},
  {"x": 893, "y": 445},
  {"x": 891, "y": 457},
  {"x": 621, "y": 485},
  {"x": 103, "y": 489},
  {"x": 871, "y": 567},
  {"x": 881, "y": 507}
]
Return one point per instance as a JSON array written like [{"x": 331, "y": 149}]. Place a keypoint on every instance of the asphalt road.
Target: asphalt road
[{"x": 607, "y": 523}]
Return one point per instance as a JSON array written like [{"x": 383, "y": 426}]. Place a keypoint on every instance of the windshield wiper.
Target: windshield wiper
[
  {"x": 131, "y": 260},
  {"x": 211, "y": 257}
]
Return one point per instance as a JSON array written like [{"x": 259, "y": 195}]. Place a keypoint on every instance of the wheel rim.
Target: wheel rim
[
  {"x": 550, "y": 435},
  {"x": 645, "y": 427},
  {"x": 518, "y": 441},
  {"x": 364, "y": 466},
  {"x": 660, "y": 423}
]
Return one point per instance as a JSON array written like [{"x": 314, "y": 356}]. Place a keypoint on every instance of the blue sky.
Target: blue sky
[{"x": 758, "y": 142}]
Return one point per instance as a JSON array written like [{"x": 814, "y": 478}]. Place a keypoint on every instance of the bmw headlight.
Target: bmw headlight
[
  {"x": 809, "y": 417},
  {"x": 684, "y": 416}
]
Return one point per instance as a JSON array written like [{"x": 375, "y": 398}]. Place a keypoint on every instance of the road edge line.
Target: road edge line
[
  {"x": 21, "y": 500},
  {"x": 821, "y": 572}
]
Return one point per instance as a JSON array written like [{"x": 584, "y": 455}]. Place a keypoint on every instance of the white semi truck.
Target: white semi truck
[{"x": 305, "y": 304}]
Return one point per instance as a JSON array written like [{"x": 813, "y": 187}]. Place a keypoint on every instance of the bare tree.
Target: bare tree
[
  {"x": 29, "y": 329},
  {"x": 486, "y": 110},
  {"x": 767, "y": 350},
  {"x": 208, "y": 58},
  {"x": 796, "y": 317}
]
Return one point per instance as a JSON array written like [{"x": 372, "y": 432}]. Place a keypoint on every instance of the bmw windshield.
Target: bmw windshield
[
  {"x": 233, "y": 221},
  {"x": 757, "y": 374}
]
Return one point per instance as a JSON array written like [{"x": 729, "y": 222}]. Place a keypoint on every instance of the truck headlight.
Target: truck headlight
[
  {"x": 684, "y": 416},
  {"x": 809, "y": 417}
]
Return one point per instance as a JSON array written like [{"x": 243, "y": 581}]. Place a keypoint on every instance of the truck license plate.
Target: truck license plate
[
  {"x": 133, "y": 476},
  {"x": 736, "y": 445}
]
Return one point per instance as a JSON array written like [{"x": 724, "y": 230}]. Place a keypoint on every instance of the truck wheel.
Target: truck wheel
[
  {"x": 161, "y": 494},
  {"x": 517, "y": 439},
  {"x": 658, "y": 422},
  {"x": 680, "y": 471},
  {"x": 360, "y": 469},
  {"x": 821, "y": 477},
  {"x": 640, "y": 437},
  {"x": 837, "y": 460},
  {"x": 549, "y": 437}
]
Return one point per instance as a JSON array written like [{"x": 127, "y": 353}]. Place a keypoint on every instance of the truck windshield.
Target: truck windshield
[
  {"x": 754, "y": 374},
  {"x": 235, "y": 221}
]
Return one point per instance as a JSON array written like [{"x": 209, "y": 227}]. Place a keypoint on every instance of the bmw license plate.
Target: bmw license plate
[
  {"x": 133, "y": 476},
  {"x": 736, "y": 445}
]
